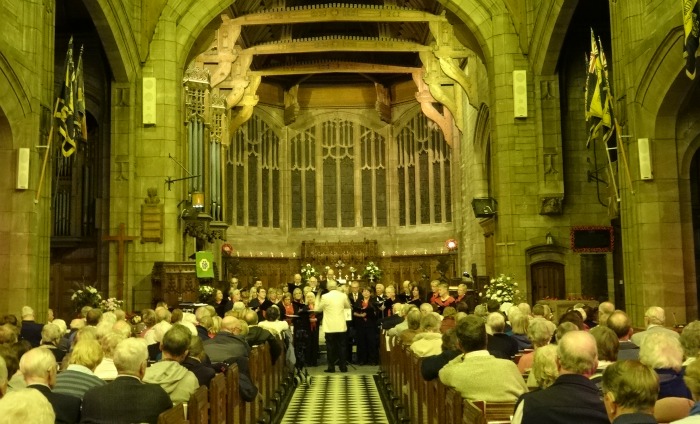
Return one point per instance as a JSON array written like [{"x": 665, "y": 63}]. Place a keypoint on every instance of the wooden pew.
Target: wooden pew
[
  {"x": 453, "y": 406},
  {"x": 480, "y": 412},
  {"x": 198, "y": 406},
  {"x": 174, "y": 415},
  {"x": 218, "y": 399},
  {"x": 233, "y": 403},
  {"x": 419, "y": 389}
]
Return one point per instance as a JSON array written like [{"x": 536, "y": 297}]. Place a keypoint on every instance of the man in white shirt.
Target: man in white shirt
[{"x": 333, "y": 305}]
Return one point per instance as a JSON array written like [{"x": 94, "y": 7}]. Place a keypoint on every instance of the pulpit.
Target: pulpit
[{"x": 176, "y": 282}]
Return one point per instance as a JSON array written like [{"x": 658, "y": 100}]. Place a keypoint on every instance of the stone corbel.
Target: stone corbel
[
  {"x": 426, "y": 100},
  {"x": 247, "y": 104},
  {"x": 239, "y": 82},
  {"x": 383, "y": 103},
  {"x": 225, "y": 51},
  {"x": 291, "y": 105},
  {"x": 447, "y": 49},
  {"x": 434, "y": 77}
]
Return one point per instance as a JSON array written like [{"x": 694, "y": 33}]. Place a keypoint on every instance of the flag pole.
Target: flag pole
[{"x": 46, "y": 154}]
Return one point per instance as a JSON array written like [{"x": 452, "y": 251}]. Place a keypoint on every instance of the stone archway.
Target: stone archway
[{"x": 546, "y": 272}]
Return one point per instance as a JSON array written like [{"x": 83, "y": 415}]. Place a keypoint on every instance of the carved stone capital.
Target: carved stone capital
[{"x": 551, "y": 205}]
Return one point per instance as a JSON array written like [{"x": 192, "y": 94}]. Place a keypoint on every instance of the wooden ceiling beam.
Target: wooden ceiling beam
[
  {"x": 335, "y": 67},
  {"x": 338, "y": 44},
  {"x": 326, "y": 13}
]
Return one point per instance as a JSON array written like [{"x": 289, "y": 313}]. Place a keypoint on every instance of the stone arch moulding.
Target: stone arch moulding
[
  {"x": 15, "y": 100},
  {"x": 549, "y": 34},
  {"x": 478, "y": 17},
  {"x": 120, "y": 46}
]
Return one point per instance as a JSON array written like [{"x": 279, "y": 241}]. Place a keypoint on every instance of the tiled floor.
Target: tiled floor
[{"x": 347, "y": 398}]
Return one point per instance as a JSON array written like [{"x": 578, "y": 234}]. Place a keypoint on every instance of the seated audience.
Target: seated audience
[
  {"x": 15, "y": 380},
  {"x": 106, "y": 370},
  {"x": 620, "y": 323},
  {"x": 542, "y": 311},
  {"x": 31, "y": 330},
  {"x": 50, "y": 338},
  {"x": 413, "y": 321},
  {"x": 520, "y": 323},
  {"x": 3, "y": 377},
  {"x": 544, "y": 368},
  {"x": 692, "y": 380},
  {"x": 79, "y": 377},
  {"x": 448, "y": 319},
  {"x": 499, "y": 343},
  {"x": 228, "y": 343},
  {"x": 176, "y": 380},
  {"x": 8, "y": 334},
  {"x": 573, "y": 398},
  {"x": 395, "y": 318},
  {"x": 127, "y": 399},
  {"x": 477, "y": 375},
  {"x": 690, "y": 340},
  {"x": 403, "y": 325},
  {"x": 198, "y": 363},
  {"x": 273, "y": 323},
  {"x": 664, "y": 354},
  {"x": 257, "y": 335},
  {"x": 431, "y": 365},
  {"x": 630, "y": 389},
  {"x": 39, "y": 369},
  {"x": 540, "y": 332},
  {"x": 429, "y": 341},
  {"x": 605, "y": 309},
  {"x": 564, "y": 328},
  {"x": 654, "y": 321},
  {"x": 26, "y": 406},
  {"x": 607, "y": 345}
]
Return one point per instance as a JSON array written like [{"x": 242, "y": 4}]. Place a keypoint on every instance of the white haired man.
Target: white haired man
[
  {"x": 127, "y": 399},
  {"x": 31, "y": 330},
  {"x": 39, "y": 368},
  {"x": 26, "y": 406},
  {"x": 333, "y": 305},
  {"x": 654, "y": 321}
]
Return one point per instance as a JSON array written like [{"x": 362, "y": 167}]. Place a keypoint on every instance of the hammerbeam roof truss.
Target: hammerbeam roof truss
[{"x": 321, "y": 42}]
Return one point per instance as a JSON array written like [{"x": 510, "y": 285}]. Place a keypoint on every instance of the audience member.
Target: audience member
[
  {"x": 127, "y": 399},
  {"x": 619, "y": 322},
  {"x": 8, "y": 334},
  {"x": 477, "y": 375},
  {"x": 93, "y": 317},
  {"x": 79, "y": 377},
  {"x": 520, "y": 323},
  {"x": 607, "y": 345},
  {"x": 106, "y": 370},
  {"x": 403, "y": 325},
  {"x": 26, "y": 406},
  {"x": 544, "y": 370},
  {"x": 228, "y": 343},
  {"x": 273, "y": 323},
  {"x": 3, "y": 377},
  {"x": 31, "y": 330},
  {"x": 15, "y": 380},
  {"x": 428, "y": 341},
  {"x": 500, "y": 344},
  {"x": 564, "y": 328},
  {"x": 448, "y": 319},
  {"x": 664, "y": 354},
  {"x": 395, "y": 318},
  {"x": 605, "y": 309},
  {"x": 630, "y": 389},
  {"x": 431, "y": 365},
  {"x": 540, "y": 332},
  {"x": 198, "y": 363},
  {"x": 692, "y": 380},
  {"x": 50, "y": 338},
  {"x": 654, "y": 321},
  {"x": 177, "y": 381},
  {"x": 39, "y": 369},
  {"x": 258, "y": 335},
  {"x": 413, "y": 321},
  {"x": 573, "y": 397},
  {"x": 690, "y": 340}
]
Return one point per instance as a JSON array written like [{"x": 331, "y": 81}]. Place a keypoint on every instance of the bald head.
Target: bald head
[
  {"x": 231, "y": 325},
  {"x": 578, "y": 353},
  {"x": 619, "y": 322}
]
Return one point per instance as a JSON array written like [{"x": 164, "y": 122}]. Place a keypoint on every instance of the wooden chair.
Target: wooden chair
[
  {"x": 480, "y": 412},
  {"x": 217, "y": 399},
  {"x": 174, "y": 415},
  {"x": 198, "y": 406}
]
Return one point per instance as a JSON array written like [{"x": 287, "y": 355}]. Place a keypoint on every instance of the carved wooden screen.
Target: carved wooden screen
[
  {"x": 424, "y": 174},
  {"x": 255, "y": 175},
  {"x": 349, "y": 160}
]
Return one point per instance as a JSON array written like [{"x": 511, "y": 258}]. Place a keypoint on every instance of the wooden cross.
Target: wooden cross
[
  {"x": 121, "y": 239},
  {"x": 506, "y": 244}
]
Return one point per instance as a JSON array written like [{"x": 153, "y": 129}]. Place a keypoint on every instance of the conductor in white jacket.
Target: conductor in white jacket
[{"x": 333, "y": 305}]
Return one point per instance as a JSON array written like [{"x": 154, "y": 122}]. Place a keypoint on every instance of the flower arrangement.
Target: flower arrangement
[
  {"x": 372, "y": 272},
  {"x": 85, "y": 296},
  {"x": 111, "y": 304},
  {"x": 307, "y": 271},
  {"x": 206, "y": 293},
  {"x": 502, "y": 289}
]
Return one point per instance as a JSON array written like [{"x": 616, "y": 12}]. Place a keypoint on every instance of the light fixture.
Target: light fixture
[
  {"x": 549, "y": 238},
  {"x": 451, "y": 245},
  {"x": 197, "y": 199}
]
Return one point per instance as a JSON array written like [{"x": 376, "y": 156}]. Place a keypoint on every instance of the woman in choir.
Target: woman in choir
[
  {"x": 288, "y": 308},
  {"x": 314, "y": 327},
  {"x": 365, "y": 322},
  {"x": 220, "y": 303},
  {"x": 260, "y": 303},
  {"x": 416, "y": 296}
]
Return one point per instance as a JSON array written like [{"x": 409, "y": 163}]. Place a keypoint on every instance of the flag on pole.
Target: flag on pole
[
  {"x": 607, "y": 122},
  {"x": 66, "y": 111},
  {"x": 598, "y": 111},
  {"x": 80, "y": 99},
  {"x": 691, "y": 29}
]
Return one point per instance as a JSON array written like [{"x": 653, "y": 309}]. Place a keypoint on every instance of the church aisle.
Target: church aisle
[{"x": 337, "y": 398}]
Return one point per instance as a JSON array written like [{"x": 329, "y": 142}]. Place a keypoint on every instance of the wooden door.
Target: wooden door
[{"x": 547, "y": 279}]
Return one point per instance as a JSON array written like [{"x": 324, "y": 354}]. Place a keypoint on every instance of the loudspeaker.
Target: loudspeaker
[
  {"x": 644, "y": 147},
  {"x": 520, "y": 94},
  {"x": 149, "y": 101},
  {"x": 22, "y": 168}
]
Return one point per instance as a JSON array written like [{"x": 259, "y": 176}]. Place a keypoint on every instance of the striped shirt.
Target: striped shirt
[{"x": 76, "y": 380}]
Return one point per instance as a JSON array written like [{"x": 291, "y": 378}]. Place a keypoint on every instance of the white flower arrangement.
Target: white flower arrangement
[
  {"x": 111, "y": 304},
  {"x": 372, "y": 271},
  {"x": 85, "y": 296},
  {"x": 307, "y": 271},
  {"x": 206, "y": 293},
  {"x": 502, "y": 289}
]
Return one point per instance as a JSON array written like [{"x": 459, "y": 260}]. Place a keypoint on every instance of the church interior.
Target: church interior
[{"x": 278, "y": 133}]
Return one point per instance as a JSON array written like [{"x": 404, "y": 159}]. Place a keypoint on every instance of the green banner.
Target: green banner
[{"x": 205, "y": 264}]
